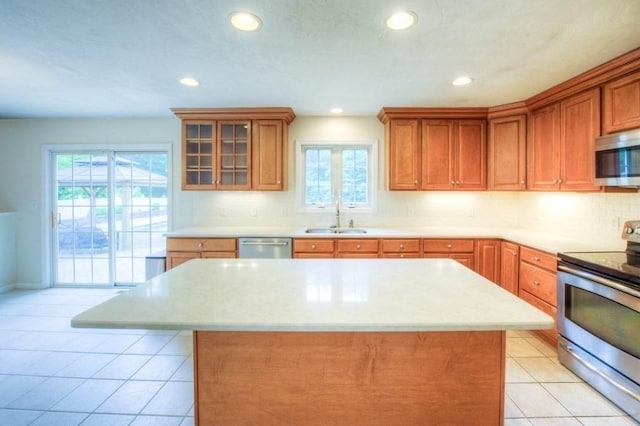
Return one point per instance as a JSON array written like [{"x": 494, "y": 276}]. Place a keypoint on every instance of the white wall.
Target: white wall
[
  {"x": 588, "y": 216},
  {"x": 7, "y": 250}
]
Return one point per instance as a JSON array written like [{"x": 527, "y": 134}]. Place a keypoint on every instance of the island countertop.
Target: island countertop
[{"x": 317, "y": 295}]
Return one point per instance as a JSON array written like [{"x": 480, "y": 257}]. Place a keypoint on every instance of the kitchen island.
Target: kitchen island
[{"x": 340, "y": 341}]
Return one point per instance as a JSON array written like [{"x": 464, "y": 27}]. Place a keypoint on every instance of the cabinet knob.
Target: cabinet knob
[
  {"x": 457, "y": 182},
  {"x": 401, "y": 246},
  {"x": 453, "y": 182},
  {"x": 448, "y": 245},
  {"x": 415, "y": 182},
  {"x": 313, "y": 246},
  {"x": 513, "y": 253},
  {"x": 559, "y": 180},
  {"x": 536, "y": 282},
  {"x": 357, "y": 246},
  {"x": 536, "y": 258},
  {"x": 279, "y": 182},
  {"x": 200, "y": 245},
  {"x": 522, "y": 182}
]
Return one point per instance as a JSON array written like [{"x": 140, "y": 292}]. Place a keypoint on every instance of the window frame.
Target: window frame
[{"x": 336, "y": 181}]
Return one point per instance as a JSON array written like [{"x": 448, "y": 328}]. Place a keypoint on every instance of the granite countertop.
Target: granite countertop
[
  {"x": 317, "y": 295},
  {"x": 541, "y": 241}
]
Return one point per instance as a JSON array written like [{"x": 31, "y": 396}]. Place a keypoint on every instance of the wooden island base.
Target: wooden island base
[{"x": 349, "y": 378}]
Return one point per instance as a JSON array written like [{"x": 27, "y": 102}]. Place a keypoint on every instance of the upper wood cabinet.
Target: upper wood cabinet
[
  {"x": 454, "y": 155},
  {"x": 435, "y": 149},
  {"x": 507, "y": 153},
  {"x": 403, "y": 154},
  {"x": 234, "y": 149},
  {"x": 562, "y": 143},
  {"x": 621, "y": 104}
]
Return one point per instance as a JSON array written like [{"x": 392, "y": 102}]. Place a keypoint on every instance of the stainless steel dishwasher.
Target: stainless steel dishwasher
[{"x": 264, "y": 248}]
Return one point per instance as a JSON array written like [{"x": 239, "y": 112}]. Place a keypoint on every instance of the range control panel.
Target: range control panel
[{"x": 631, "y": 231}]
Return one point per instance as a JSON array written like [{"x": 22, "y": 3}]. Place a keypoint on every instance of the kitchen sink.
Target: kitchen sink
[{"x": 335, "y": 231}]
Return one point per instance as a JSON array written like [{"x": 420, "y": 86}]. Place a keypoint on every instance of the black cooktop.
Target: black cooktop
[{"x": 617, "y": 264}]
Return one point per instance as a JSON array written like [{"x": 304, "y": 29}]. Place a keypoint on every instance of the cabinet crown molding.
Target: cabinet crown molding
[
  {"x": 268, "y": 113},
  {"x": 388, "y": 113}
]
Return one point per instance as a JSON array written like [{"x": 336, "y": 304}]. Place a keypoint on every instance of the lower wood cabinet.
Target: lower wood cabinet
[
  {"x": 537, "y": 285},
  {"x": 180, "y": 250},
  {"x": 509, "y": 266},
  {"x": 487, "y": 259},
  {"x": 401, "y": 248},
  {"x": 357, "y": 248},
  {"x": 313, "y": 248},
  {"x": 461, "y": 250}
]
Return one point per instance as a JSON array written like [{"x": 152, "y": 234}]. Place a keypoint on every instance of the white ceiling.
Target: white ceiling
[{"x": 110, "y": 58}]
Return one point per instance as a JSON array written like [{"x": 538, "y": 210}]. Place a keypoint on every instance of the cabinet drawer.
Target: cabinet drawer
[
  {"x": 457, "y": 246},
  {"x": 400, "y": 246},
  {"x": 538, "y": 258},
  {"x": 201, "y": 244},
  {"x": 313, "y": 246},
  {"x": 539, "y": 282},
  {"x": 358, "y": 246}
]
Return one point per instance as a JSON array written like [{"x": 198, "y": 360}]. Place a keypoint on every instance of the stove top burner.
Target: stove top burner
[{"x": 618, "y": 264}]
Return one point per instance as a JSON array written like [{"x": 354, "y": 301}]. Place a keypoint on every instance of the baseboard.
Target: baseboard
[
  {"x": 29, "y": 286},
  {"x": 6, "y": 287}
]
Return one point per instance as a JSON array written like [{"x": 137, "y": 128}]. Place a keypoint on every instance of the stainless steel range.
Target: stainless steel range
[{"x": 599, "y": 319}]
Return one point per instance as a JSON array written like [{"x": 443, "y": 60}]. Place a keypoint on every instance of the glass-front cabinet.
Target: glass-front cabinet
[
  {"x": 199, "y": 151},
  {"x": 234, "y": 149}
]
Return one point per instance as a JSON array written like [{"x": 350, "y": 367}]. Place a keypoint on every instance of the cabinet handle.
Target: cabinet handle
[
  {"x": 401, "y": 246},
  {"x": 536, "y": 258},
  {"x": 200, "y": 245},
  {"x": 513, "y": 253},
  {"x": 536, "y": 282}
]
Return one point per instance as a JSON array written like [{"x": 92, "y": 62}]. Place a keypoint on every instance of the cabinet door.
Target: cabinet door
[
  {"x": 487, "y": 261},
  {"x": 470, "y": 155},
  {"x": 621, "y": 104},
  {"x": 509, "y": 266},
  {"x": 198, "y": 154},
  {"x": 179, "y": 257},
  {"x": 437, "y": 154},
  {"x": 544, "y": 149},
  {"x": 580, "y": 125},
  {"x": 467, "y": 259},
  {"x": 507, "y": 153},
  {"x": 403, "y": 153},
  {"x": 268, "y": 154},
  {"x": 234, "y": 155}
]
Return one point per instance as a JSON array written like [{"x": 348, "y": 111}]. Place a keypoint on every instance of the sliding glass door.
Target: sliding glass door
[{"x": 109, "y": 211}]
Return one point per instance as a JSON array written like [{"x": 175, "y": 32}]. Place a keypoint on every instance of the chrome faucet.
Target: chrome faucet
[{"x": 337, "y": 213}]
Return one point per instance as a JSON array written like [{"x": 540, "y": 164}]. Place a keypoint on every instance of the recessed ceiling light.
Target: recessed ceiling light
[
  {"x": 189, "y": 81},
  {"x": 401, "y": 20},
  {"x": 245, "y": 21},
  {"x": 462, "y": 81},
  {"x": 336, "y": 110}
]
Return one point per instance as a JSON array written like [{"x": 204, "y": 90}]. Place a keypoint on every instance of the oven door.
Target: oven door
[{"x": 599, "y": 327}]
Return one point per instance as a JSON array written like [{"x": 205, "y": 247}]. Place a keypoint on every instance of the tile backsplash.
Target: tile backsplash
[{"x": 596, "y": 218}]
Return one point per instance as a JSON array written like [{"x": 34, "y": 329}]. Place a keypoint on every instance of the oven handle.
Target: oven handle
[
  {"x": 600, "y": 280},
  {"x": 595, "y": 370}
]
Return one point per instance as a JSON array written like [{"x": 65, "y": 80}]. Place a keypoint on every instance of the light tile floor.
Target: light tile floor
[{"x": 52, "y": 374}]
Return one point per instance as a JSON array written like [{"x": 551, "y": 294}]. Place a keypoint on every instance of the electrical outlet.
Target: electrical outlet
[
  {"x": 284, "y": 212},
  {"x": 410, "y": 211},
  {"x": 614, "y": 223}
]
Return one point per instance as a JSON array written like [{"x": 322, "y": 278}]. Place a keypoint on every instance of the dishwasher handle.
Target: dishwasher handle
[{"x": 258, "y": 243}]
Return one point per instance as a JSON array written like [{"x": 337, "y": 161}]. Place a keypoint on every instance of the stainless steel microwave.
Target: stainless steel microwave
[{"x": 618, "y": 159}]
